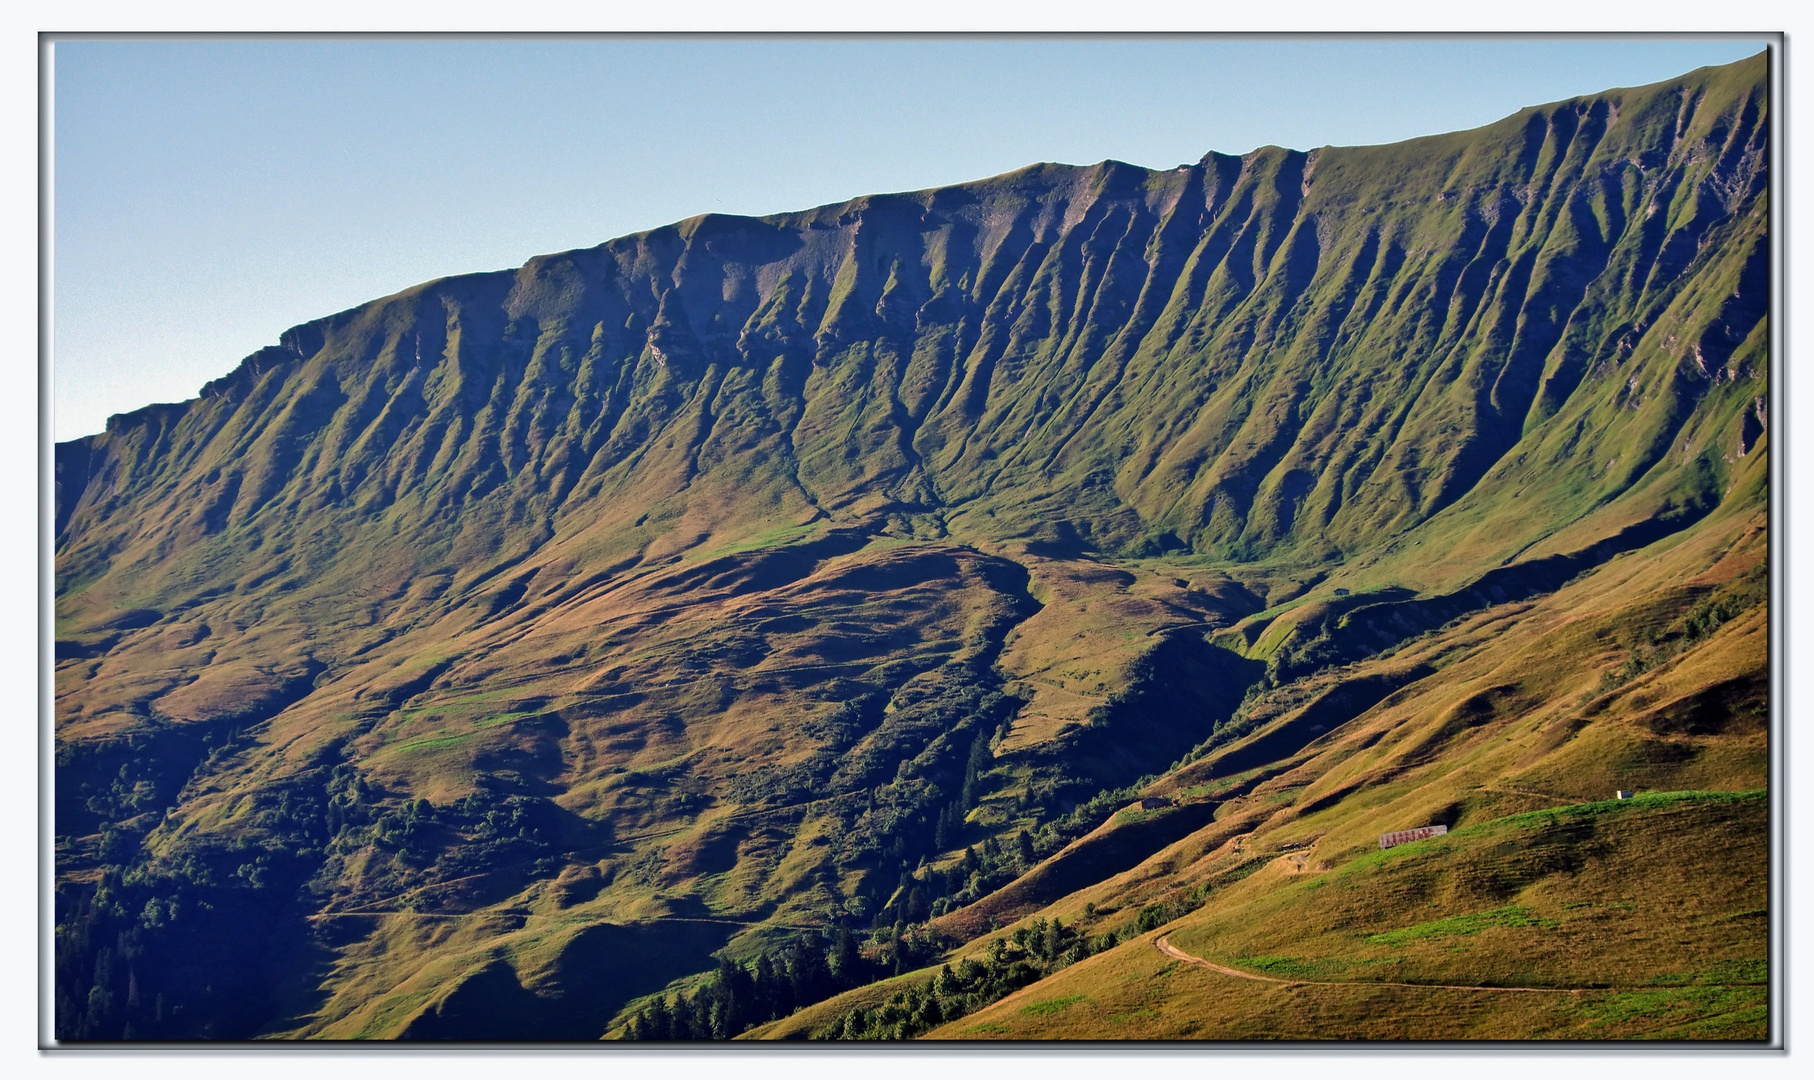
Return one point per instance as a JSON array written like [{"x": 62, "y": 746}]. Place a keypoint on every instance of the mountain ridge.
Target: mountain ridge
[
  {"x": 665, "y": 332},
  {"x": 753, "y": 569}
]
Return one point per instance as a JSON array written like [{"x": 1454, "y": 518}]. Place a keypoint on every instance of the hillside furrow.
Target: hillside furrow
[{"x": 850, "y": 567}]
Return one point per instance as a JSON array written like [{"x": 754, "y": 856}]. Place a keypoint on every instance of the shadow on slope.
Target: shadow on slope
[{"x": 598, "y": 970}]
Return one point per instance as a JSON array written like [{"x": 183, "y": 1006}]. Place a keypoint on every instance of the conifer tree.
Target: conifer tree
[
  {"x": 767, "y": 995},
  {"x": 844, "y": 961}
]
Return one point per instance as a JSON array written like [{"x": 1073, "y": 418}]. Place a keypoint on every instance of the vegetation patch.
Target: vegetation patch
[
  {"x": 1056, "y": 1005},
  {"x": 1294, "y": 967},
  {"x": 692, "y": 582},
  {"x": 432, "y": 742},
  {"x": 1648, "y": 800},
  {"x": 1511, "y": 917},
  {"x": 1651, "y": 1013},
  {"x": 1745, "y": 971},
  {"x": 1030, "y": 953}
]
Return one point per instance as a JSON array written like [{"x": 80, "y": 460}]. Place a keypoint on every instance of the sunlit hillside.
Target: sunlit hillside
[{"x": 1012, "y": 610}]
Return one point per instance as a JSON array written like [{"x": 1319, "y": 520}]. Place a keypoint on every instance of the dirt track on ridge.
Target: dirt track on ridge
[{"x": 1164, "y": 945}]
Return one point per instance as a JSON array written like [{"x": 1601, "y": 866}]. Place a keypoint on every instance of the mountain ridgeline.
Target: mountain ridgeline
[
  {"x": 498, "y": 653},
  {"x": 1302, "y": 351}
]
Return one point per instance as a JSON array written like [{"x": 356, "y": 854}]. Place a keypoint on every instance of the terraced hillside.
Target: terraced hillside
[{"x": 752, "y": 615}]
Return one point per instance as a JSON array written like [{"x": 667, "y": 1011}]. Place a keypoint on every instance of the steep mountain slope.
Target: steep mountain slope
[
  {"x": 488, "y": 656},
  {"x": 1625, "y": 918}
]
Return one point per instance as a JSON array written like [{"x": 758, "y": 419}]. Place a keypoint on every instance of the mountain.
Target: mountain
[{"x": 776, "y": 605}]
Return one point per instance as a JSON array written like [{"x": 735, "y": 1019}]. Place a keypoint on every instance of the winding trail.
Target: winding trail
[{"x": 1164, "y": 945}]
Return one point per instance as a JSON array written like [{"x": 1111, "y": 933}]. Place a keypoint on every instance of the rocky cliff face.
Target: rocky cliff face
[
  {"x": 1310, "y": 351},
  {"x": 747, "y": 515}
]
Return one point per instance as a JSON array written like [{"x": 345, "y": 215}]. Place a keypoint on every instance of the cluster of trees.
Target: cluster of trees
[
  {"x": 934, "y": 890},
  {"x": 1710, "y": 613},
  {"x": 1656, "y": 646},
  {"x": 917, "y": 761},
  {"x": 921, "y": 765},
  {"x": 120, "y": 788},
  {"x": 485, "y": 831},
  {"x": 128, "y": 942},
  {"x": 738, "y": 997},
  {"x": 98, "y": 948},
  {"x": 130, "y": 793},
  {"x": 1031, "y": 953},
  {"x": 1309, "y": 650},
  {"x": 950, "y": 822},
  {"x": 178, "y": 950},
  {"x": 931, "y": 891},
  {"x": 1160, "y": 912},
  {"x": 927, "y": 765},
  {"x": 181, "y": 946}
]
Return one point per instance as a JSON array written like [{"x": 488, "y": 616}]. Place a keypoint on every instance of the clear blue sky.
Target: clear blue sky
[{"x": 211, "y": 193}]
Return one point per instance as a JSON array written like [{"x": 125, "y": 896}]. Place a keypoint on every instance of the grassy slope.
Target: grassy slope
[
  {"x": 618, "y": 538},
  {"x": 1563, "y": 891},
  {"x": 1609, "y": 902},
  {"x": 1514, "y": 742}
]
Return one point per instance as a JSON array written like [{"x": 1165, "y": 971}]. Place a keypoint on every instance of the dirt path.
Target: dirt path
[{"x": 1165, "y": 946}]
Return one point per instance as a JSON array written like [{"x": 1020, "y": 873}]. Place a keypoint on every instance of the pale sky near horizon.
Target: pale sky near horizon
[{"x": 211, "y": 193}]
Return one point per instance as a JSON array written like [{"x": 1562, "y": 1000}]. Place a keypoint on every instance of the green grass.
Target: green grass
[
  {"x": 433, "y": 742},
  {"x": 1748, "y": 971},
  {"x": 390, "y": 1011},
  {"x": 1056, "y": 1005},
  {"x": 1659, "y": 1013},
  {"x": 341, "y": 502},
  {"x": 1512, "y": 917},
  {"x": 1294, "y": 967},
  {"x": 1649, "y": 800}
]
